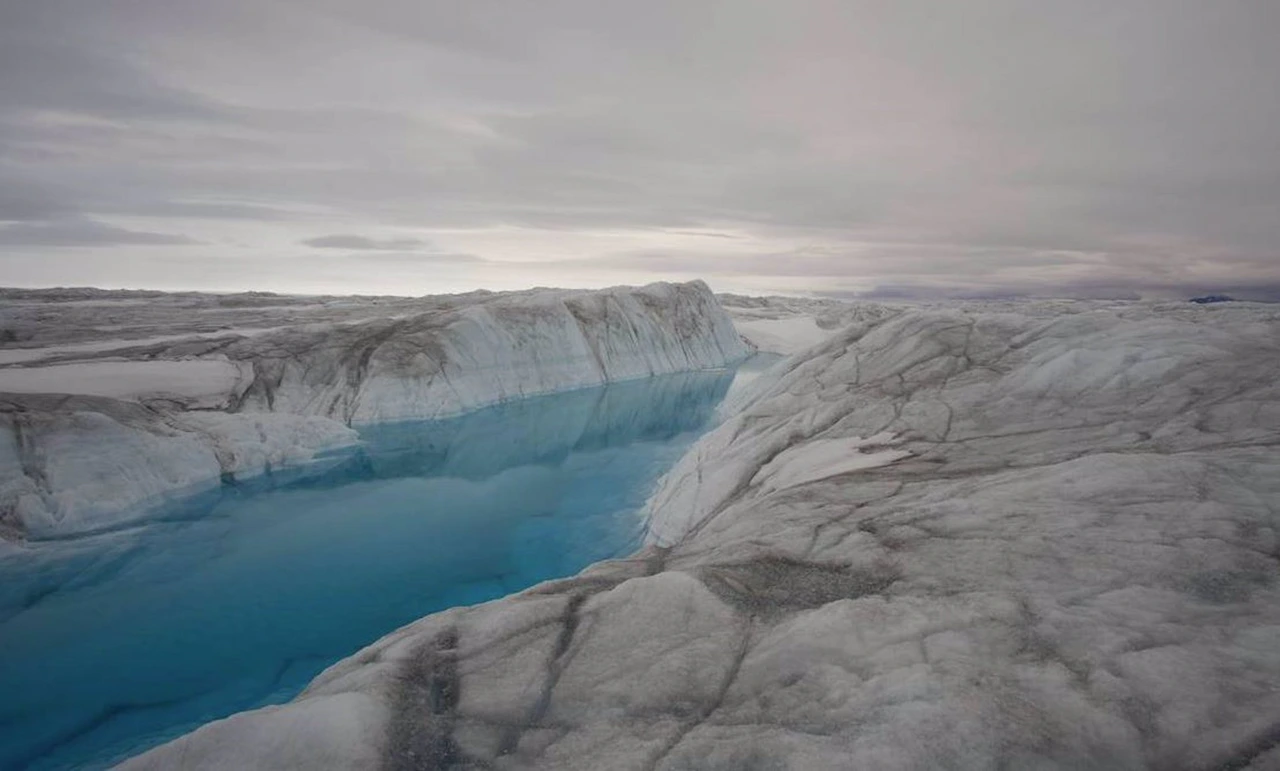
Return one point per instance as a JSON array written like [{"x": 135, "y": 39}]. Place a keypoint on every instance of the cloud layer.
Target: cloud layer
[
  {"x": 994, "y": 146},
  {"x": 350, "y": 241}
]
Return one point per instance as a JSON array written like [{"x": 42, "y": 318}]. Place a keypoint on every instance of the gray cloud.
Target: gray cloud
[
  {"x": 218, "y": 210},
  {"x": 52, "y": 57},
  {"x": 420, "y": 258},
  {"x": 995, "y": 144},
  {"x": 27, "y": 204},
  {"x": 83, "y": 233},
  {"x": 349, "y": 241}
]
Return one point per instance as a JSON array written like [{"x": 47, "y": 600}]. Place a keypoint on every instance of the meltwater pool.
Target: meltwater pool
[{"x": 114, "y": 643}]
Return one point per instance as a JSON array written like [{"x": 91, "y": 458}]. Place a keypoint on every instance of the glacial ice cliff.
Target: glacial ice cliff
[
  {"x": 1020, "y": 535},
  {"x": 100, "y": 413}
]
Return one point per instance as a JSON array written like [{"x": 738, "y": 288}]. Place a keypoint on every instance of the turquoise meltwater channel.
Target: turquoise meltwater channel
[{"x": 113, "y": 643}]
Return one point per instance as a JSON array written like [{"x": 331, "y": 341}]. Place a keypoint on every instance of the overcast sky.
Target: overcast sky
[{"x": 418, "y": 146}]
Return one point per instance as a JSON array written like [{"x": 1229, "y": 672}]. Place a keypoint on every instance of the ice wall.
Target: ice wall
[
  {"x": 447, "y": 362},
  {"x": 90, "y": 437}
]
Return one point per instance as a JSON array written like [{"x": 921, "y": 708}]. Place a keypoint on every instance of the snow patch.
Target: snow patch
[
  {"x": 823, "y": 458},
  {"x": 785, "y": 336},
  {"x": 198, "y": 382}
]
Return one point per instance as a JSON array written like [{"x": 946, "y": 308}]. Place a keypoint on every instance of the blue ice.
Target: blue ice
[{"x": 232, "y": 600}]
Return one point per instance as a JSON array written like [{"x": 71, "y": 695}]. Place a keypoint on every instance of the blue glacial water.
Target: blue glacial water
[{"x": 235, "y": 599}]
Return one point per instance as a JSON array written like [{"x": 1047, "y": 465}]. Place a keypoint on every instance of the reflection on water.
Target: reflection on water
[{"x": 237, "y": 599}]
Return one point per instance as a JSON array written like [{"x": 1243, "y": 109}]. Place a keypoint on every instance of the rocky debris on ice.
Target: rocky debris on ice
[
  {"x": 91, "y": 429},
  {"x": 993, "y": 536}
]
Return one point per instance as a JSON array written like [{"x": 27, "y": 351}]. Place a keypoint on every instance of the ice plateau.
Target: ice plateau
[
  {"x": 111, "y": 400},
  {"x": 1019, "y": 535}
]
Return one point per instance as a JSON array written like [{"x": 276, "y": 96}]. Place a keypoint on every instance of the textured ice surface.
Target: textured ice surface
[
  {"x": 1074, "y": 565},
  {"x": 111, "y": 643},
  {"x": 93, "y": 429}
]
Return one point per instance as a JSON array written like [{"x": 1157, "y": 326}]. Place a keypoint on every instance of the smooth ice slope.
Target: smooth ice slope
[
  {"x": 92, "y": 433},
  {"x": 1018, "y": 535}
]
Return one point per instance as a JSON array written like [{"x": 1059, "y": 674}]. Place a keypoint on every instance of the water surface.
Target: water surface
[{"x": 236, "y": 599}]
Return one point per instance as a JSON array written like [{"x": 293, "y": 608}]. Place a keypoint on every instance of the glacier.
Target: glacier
[
  {"x": 113, "y": 403},
  {"x": 968, "y": 535}
]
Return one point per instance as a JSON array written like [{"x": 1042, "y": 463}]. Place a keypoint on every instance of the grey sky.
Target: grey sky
[{"x": 415, "y": 146}]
